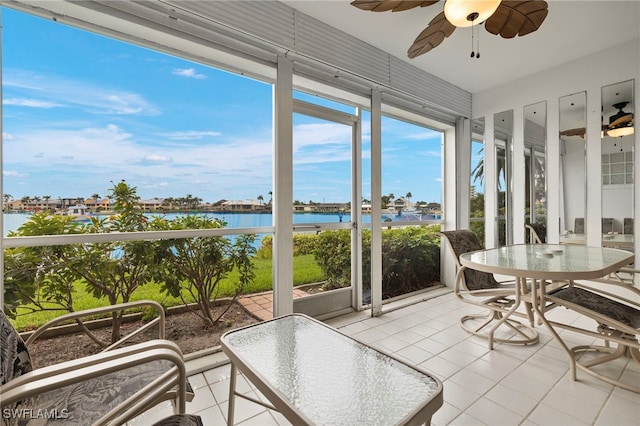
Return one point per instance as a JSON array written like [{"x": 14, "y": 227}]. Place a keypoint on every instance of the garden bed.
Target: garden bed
[{"x": 185, "y": 329}]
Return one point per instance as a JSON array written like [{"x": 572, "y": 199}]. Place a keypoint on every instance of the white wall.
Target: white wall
[
  {"x": 613, "y": 65},
  {"x": 573, "y": 193}
]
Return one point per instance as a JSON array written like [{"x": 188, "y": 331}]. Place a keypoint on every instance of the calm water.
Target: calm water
[{"x": 12, "y": 221}]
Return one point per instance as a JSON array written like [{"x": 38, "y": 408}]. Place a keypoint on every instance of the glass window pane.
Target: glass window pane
[
  {"x": 411, "y": 194},
  {"x": 103, "y": 111}
]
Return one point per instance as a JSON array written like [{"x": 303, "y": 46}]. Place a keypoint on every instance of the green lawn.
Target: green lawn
[{"x": 305, "y": 271}]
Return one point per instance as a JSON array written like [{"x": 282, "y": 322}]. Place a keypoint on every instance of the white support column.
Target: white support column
[
  {"x": 519, "y": 176},
  {"x": 593, "y": 217},
  {"x": 490, "y": 182},
  {"x": 552, "y": 158},
  {"x": 450, "y": 206},
  {"x": 283, "y": 189},
  {"x": 376, "y": 203},
  {"x": 463, "y": 171},
  {"x": 1, "y": 182},
  {"x": 356, "y": 213}
]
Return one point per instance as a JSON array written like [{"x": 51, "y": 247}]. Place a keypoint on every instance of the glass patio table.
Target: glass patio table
[
  {"x": 549, "y": 261},
  {"x": 608, "y": 240},
  {"x": 313, "y": 374},
  {"x": 548, "y": 266}
]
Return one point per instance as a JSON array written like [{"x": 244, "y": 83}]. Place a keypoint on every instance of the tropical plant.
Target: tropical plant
[
  {"x": 115, "y": 269},
  {"x": 411, "y": 258},
  {"x": 40, "y": 275},
  {"x": 198, "y": 264}
]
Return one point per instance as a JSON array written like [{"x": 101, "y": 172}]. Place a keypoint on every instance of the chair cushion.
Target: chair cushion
[
  {"x": 464, "y": 241},
  {"x": 85, "y": 402},
  {"x": 180, "y": 420},
  {"x": 613, "y": 309},
  {"x": 14, "y": 355}
]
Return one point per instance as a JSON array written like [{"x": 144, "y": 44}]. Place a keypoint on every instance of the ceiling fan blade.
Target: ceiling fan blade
[
  {"x": 517, "y": 18},
  {"x": 392, "y": 5},
  {"x": 621, "y": 120},
  {"x": 580, "y": 131},
  {"x": 435, "y": 33}
]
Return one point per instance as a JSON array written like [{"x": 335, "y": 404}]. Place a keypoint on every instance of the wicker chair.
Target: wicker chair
[
  {"x": 578, "y": 226},
  {"x": 627, "y": 226},
  {"x": 110, "y": 387},
  {"x": 180, "y": 420},
  {"x": 482, "y": 289},
  {"x": 538, "y": 232},
  {"x": 616, "y": 312}
]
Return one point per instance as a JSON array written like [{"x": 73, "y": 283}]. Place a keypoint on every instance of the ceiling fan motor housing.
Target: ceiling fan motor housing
[{"x": 619, "y": 106}]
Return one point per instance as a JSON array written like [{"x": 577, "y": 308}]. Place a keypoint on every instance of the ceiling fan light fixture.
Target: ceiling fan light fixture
[
  {"x": 625, "y": 129},
  {"x": 465, "y": 13}
]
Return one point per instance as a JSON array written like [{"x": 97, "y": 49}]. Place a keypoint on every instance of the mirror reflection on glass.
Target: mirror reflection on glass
[
  {"x": 535, "y": 136},
  {"x": 476, "y": 184},
  {"x": 573, "y": 125},
  {"x": 618, "y": 128},
  {"x": 503, "y": 133}
]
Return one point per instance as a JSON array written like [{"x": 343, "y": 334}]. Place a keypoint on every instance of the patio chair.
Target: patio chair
[
  {"x": 627, "y": 226},
  {"x": 607, "y": 225},
  {"x": 482, "y": 289},
  {"x": 616, "y": 312},
  {"x": 180, "y": 420},
  {"x": 578, "y": 225},
  {"x": 110, "y": 387},
  {"x": 538, "y": 232}
]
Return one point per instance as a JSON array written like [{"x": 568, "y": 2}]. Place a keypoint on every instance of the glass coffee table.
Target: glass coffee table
[{"x": 313, "y": 374}]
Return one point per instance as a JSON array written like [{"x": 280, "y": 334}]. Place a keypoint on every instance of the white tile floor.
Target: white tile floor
[{"x": 511, "y": 385}]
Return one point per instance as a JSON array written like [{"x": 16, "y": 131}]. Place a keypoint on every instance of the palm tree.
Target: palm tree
[
  {"x": 478, "y": 171},
  {"x": 25, "y": 202},
  {"x": 95, "y": 198},
  {"x": 260, "y": 198},
  {"x": 386, "y": 199},
  {"x": 7, "y": 198},
  {"x": 408, "y": 197}
]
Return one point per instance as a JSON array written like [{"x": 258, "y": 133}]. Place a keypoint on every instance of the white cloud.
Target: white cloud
[
  {"x": 436, "y": 154},
  {"x": 190, "y": 134},
  {"x": 157, "y": 159},
  {"x": 321, "y": 143},
  {"x": 31, "y": 103},
  {"x": 8, "y": 137},
  {"x": 189, "y": 73},
  {"x": 101, "y": 154},
  {"x": 88, "y": 96},
  {"x": 426, "y": 135}
]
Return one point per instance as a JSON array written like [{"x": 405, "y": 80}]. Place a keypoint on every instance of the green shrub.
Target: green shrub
[
  {"x": 265, "y": 252},
  {"x": 303, "y": 244},
  {"x": 410, "y": 258},
  {"x": 333, "y": 255}
]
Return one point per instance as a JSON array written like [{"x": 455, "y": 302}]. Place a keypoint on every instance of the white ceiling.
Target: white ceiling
[{"x": 572, "y": 29}]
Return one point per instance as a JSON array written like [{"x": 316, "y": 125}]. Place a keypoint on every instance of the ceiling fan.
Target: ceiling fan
[
  {"x": 505, "y": 18},
  {"x": 620, "y": 124}
]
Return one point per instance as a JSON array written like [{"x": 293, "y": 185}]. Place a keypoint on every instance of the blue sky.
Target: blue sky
[{"x": 81, "y": 110}]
